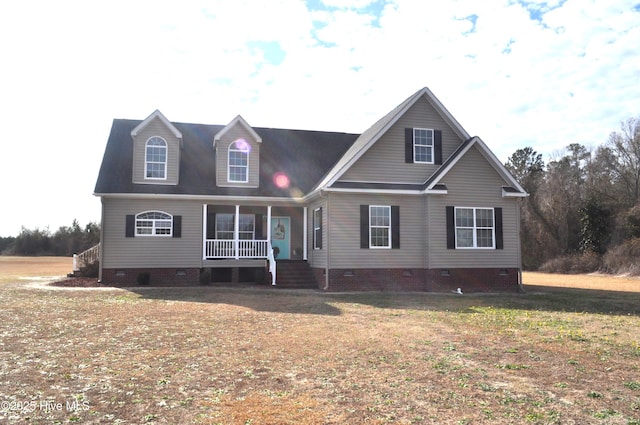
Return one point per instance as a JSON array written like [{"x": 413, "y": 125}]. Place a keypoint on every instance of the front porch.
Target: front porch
[
  {"x": 242, "y": 232},
  {"x": 252, "y": 237}
]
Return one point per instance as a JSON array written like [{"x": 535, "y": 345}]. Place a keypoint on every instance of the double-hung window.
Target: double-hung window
[
  {"x": 317, "y": 228},
  {"x": 155, "y": 164},
  {"x": 379, "y": 226},
  {"x": 153, "y": 223},
  {"x": 475, "y": 227},
  {"x": 238, "y": 165},
  {"x": 225, "y": 226},
  {"x": 423, "y": 145}
]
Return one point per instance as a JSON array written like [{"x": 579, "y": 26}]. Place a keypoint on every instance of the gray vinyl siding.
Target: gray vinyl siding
[
  {"x": 385, "y": 160},
  {"x": 222, "y": 158},
  {"x": 156, "y": 128},
  {"x": 122, "y": 252},
  {"x": 317, "y": 257},
  {"x": 344, "y": 232},
  {"x": 472, "y": 183}
]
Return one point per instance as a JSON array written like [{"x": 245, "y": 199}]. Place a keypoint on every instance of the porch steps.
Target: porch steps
[{"x": 294, "y": 274}]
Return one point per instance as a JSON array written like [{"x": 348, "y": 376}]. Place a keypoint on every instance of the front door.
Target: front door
[{"x": 281, "y": 237}]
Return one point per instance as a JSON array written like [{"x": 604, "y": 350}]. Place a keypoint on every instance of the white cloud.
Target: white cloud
[{"x": 535, "y": 73}]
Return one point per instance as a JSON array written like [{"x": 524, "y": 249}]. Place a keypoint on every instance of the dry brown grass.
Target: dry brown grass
[
  {"x": 263, "y": 356},
  {"x": 600, "y": 282},
  {"x": 13, "y": 269}
]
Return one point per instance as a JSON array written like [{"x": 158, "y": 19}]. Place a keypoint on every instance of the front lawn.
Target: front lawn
[{"x": 263, "y": 356}]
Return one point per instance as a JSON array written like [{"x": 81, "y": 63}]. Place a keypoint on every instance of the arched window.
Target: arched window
[
  {"x": 154, "y": 223},
  {"x": 238, "y": 169},
  {"x": 155, "y": 164}
]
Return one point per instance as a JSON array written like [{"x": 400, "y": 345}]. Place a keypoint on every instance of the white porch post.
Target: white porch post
[
  {"x": 269, "y": 227},
  {"x": 204, "y": 231},
  {"x": 236, "y": 233},
  {"x": 305, "y": 225}
]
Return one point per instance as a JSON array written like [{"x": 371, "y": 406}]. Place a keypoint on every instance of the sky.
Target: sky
[{"x": 516, "y": 73}]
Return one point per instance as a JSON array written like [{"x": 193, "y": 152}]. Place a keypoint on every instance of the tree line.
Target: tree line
[
  {"x": 583, "y": 209},
  {"x": 65, "y": 241}
]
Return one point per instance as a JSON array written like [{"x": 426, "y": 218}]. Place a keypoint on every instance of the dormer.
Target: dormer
[
  {"x": 156, "y": 151},
  {"x": 237, "y": 148}
]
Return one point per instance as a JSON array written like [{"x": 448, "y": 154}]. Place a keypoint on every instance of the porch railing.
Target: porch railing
[{"x": 229, "y": 248}]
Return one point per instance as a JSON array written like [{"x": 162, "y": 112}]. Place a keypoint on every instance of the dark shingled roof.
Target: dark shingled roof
[{"x": 304, "y": 156}]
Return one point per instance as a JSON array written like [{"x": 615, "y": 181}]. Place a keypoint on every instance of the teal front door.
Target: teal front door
[{"x": 281, "y": 237}]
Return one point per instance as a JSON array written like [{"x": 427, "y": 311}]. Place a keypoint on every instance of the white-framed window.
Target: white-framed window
[
  {"x": 154, "y": 223},
  {"x": 379, "y": 226},
  {"x": 155, "y": 164},
  {"x": 475, "y": 227},
  {"x": 317, "y": 228},
  {"x": 225, "y": 226},
  {"x": 423, "y": 145},
  {"x": 238, "y": 162}
]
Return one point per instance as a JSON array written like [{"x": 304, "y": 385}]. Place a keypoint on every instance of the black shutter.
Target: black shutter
[
  {"x": 408, "y": 145},
  {"x": 130, "y": 226},
  {"x": 257, "y": 226},
  {"x": 451, "y": 228},
  {"x": 364, "y": 226},
  {"x": 177, "y": 226},
  {"x": 437, "y": 147},
  {"x": 395, "y": 227},
  {"x": 498, "y": 223},
  {"x": 319, "y": 241}
]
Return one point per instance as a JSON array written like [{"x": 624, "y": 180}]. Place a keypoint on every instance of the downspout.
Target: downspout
[{"x": 520, "y": 284}]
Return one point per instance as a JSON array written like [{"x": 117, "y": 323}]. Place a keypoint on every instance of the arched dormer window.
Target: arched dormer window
[
  {"x": 238, "y": 161},
  {"x": 155, "y": 164},
  {"x": 154, "y": 223}
]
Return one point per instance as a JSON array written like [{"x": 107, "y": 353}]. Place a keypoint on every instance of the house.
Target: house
[{"x": 414, "y": 203}]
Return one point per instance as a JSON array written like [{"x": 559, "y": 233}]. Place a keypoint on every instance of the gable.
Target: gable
[
  {"x": 156, "y": 126},
  {"x": 474, "y": 180},
  {"x": 385, "y": 160},
  {"x": 239, "y": 139}
]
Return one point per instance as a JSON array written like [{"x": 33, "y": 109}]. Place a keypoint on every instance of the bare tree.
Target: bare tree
[{"x": 624, "y": 160}]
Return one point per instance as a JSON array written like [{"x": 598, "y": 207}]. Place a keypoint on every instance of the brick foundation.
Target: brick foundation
[
  {"x": 340, "y": 280},
  {"x": 157, "y": 277},
  {"x": 430, "y": 280}
]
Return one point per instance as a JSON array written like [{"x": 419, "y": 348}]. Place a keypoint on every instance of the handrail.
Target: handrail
[
  {"x": 86, "y": 257},
  {"x": 272, "y": 264}
]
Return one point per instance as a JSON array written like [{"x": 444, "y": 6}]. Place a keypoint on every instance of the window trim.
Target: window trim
[
  {"x": 317, "y": 228},
  {"x": 389, "y": 228},
  {"x": 233, "y": 148},
  {"x": 147, "y": 161},
  {"x": 154, "y": 227},
  {"x": 427, "y": 146},
  {"x": 475, "y": 228}
]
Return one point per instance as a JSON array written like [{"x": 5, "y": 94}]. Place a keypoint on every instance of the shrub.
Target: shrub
[
  {"x": 90, "y": 270},
  {"x": 143, "y": 278},
  {"x": 588, "y": 262},
  {"x": 623, "y": 258}
]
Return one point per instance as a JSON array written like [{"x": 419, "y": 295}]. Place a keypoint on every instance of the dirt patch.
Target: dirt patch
[{"x": 78, "y": 282}]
